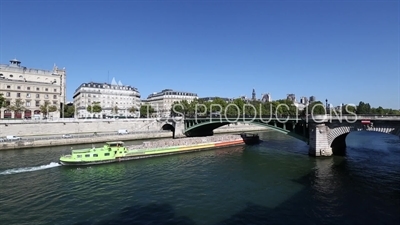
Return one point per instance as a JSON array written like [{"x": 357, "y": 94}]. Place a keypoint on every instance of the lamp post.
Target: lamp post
[{"x": 326, "y": 105}]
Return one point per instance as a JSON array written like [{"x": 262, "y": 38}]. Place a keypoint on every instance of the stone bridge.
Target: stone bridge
[
  {"x": 328, "y": 133},
  {"x": 325, "y": 134}
]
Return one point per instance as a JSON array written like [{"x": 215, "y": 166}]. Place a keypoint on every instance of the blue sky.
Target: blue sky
[{"x": 343, "y": 51}]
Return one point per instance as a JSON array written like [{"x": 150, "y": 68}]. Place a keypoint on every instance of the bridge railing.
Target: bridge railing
[{"x": 352, "y": 117}]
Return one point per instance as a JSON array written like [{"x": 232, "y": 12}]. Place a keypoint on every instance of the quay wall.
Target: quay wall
[
  {"x": 71, "y": 141},
  {"x": 24, "y": 144},
  {"x": 44, "y": 128}
]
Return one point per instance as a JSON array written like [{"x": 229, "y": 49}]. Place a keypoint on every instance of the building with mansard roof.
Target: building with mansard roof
[
  {"x": 115, "y": 99},
  {"x": 28, "y": 89},
  {"x": 210, "y": 99},
  {"x": 162, "y": 101}
]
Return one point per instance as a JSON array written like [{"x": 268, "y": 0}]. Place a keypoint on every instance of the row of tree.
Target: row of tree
[
  {"x": 218, "y": 105},
  {"x": 19, "y": 106},
  {"x": 144, "y": 109},
  {"x": 278, "y": 107}
]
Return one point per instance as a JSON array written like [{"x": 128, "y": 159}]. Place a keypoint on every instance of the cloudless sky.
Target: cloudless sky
[{"x": 343, "y": 51}]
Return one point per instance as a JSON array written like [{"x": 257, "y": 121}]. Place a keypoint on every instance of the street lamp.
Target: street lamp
[{"x": 326, "y": 106}]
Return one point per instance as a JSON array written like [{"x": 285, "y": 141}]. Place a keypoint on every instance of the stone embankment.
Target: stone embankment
[
  {"x": 185, "y": 141},
  {"x": 26, "y": 144}
]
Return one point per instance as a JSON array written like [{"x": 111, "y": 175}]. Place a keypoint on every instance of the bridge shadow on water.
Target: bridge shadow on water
[
  {"x": 330, "y": 195},
  {"x": 301, "y": 208},
  {"x": 145, "y": 214}
]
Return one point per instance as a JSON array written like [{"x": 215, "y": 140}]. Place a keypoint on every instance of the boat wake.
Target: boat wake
[{"x": 29, "y": 169}]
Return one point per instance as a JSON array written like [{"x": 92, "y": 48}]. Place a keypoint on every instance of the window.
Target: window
[
  {"x": 37, "y": 89},
  {"x": 37, "y": 95},
  {"x": 8, "y": 86},
  {"x": 18, "y": 95},
  {"x": 46, "y": 96},
  {"x": 55, "y": 90},
  {"x": 95, "y": 155},
  {"x": 54, "y": 96},
  {"x": 87, "y": 155},
  {"x": 28, "y": 95},
  {"x": 18, "y": 87},
  {"x": 54, "y": 102},
  {"x": 28, "y": 103},
  {"x": 8, "y": 94},
  {"x": 106, "y": 154},
  {"x": 28, "y": 88},
  {"x": 37, "y": 103},
  {"x": 46, "y": 89},
  {"x": 79, "y": 156},
  {"x": 11, "y": 75}
]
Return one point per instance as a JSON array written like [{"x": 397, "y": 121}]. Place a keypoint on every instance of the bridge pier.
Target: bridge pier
[
  {"x": 179, "y": 129},
  {"x": 319, "y": 142}
]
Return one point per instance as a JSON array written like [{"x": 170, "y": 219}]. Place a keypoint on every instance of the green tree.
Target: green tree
[
  {"x": 217, "y": 105},
  {"x": 349, "y": 109},
  {"x": 146, "y": 110},
  {"x": 46, "y": 108},
  {"x": 16, "y": 106},
  {"x": 201, "y": 107},
  {"x": 315, "y": 108},
  {"x": 2, "y": 100},
  {"x": 69, "y": 111},
  {"x": 285, "y": 107},
  {"x": 133, "y": 109},
  {"x": 94, "y": 108},
  {"x": 363, "y": 108},
  {"x": 177, "y": 109}
]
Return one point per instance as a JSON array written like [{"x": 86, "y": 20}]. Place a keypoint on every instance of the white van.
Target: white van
[
  {"x": 123, "y": 131},
  {"x": 13, "y": 138}
]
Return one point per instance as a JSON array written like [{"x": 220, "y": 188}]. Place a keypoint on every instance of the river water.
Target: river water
[{"x": 275, "y": 182}]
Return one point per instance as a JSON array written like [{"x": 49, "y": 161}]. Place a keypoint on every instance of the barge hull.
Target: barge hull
[{"x": 183, "y": 149}]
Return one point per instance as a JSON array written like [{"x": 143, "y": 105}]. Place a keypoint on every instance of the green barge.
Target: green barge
[{"x": 117, "y": 151}]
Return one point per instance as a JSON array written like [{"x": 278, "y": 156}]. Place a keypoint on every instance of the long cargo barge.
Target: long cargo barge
[{"x": 116, "y": 151}]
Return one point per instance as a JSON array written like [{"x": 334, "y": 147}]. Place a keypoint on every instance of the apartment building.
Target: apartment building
[
  {"x": 26, "y": 89},
  {"x": 115, "y": 99},
  {"x": 162, "y": 101}
]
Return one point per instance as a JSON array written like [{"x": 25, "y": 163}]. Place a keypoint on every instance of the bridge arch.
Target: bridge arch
[
  {"x": 337, "y": 136},
  {"x": 205, "y": 128},
  {"x": 168, "y": 126}
]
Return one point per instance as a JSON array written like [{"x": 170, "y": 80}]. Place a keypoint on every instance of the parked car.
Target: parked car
[
  {"x": 67, "y": 136},
  {"x": 13, "y": 138},
  {"x": 123, "y": 131}
]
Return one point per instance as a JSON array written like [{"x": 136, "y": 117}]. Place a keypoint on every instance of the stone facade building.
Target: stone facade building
[
  {"x": 162, "y": 101},
  {"x": 115, "y": 99},
  {"x": 29, "y": 89}
]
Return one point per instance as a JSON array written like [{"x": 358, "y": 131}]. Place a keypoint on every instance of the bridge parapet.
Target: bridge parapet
[{"x": 350, "y": 118}]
